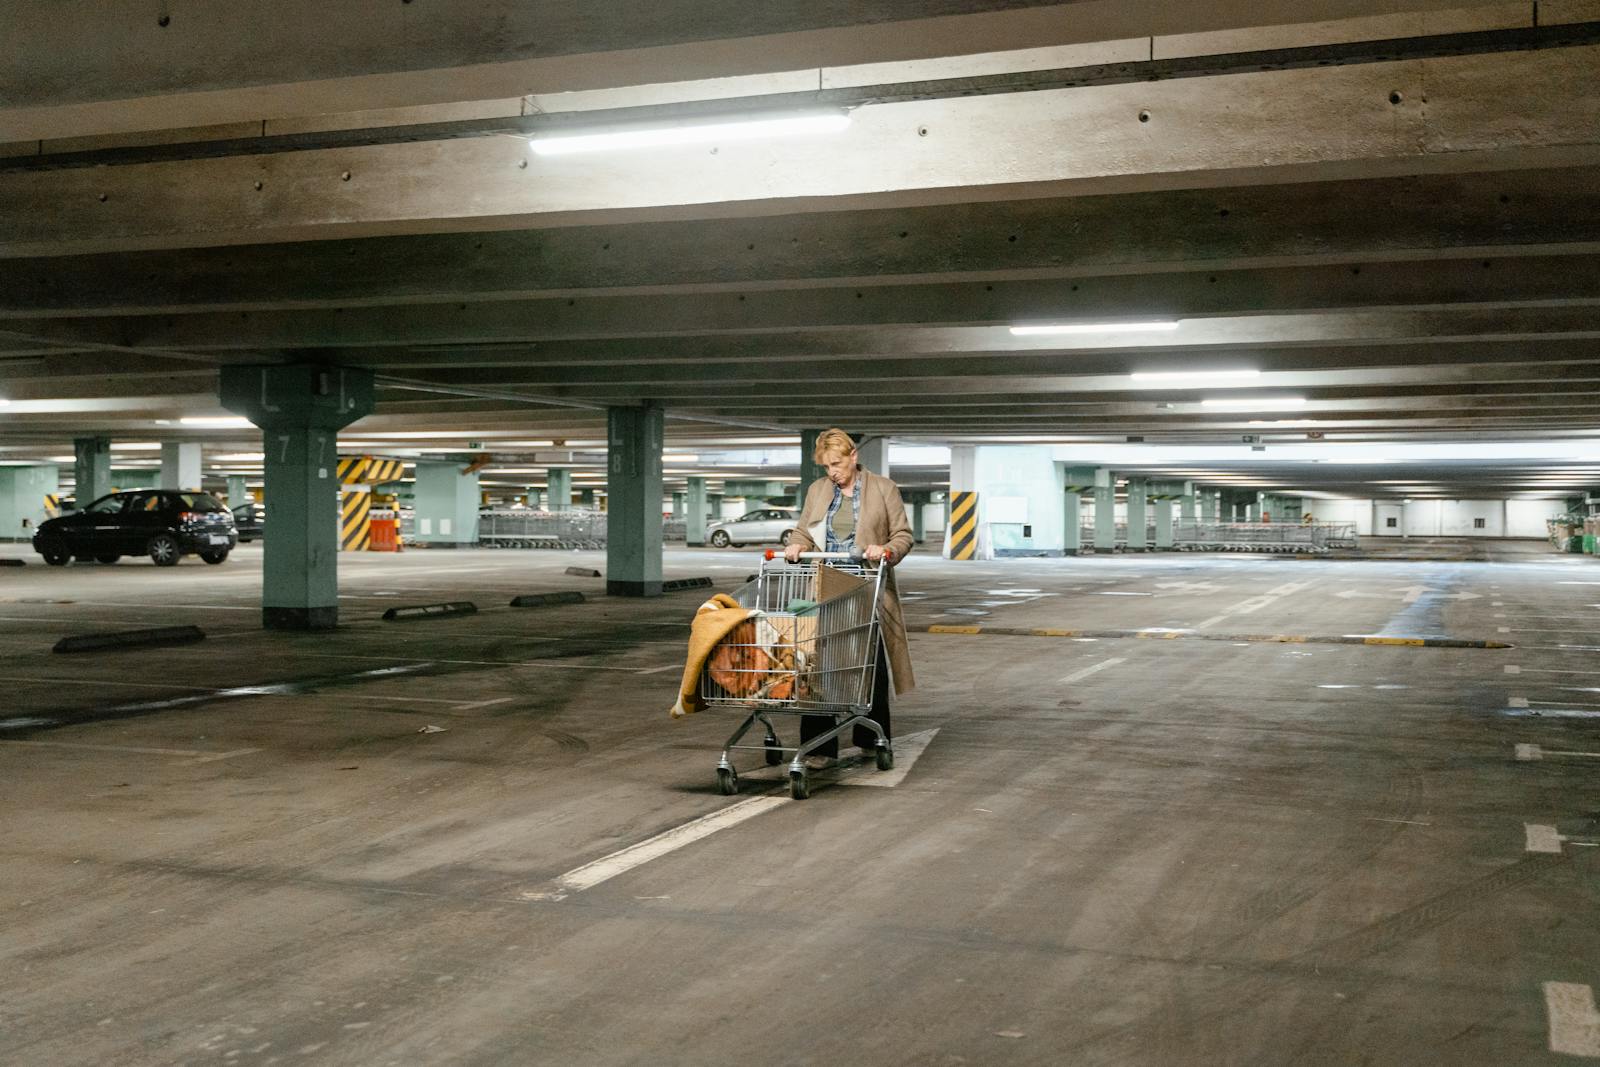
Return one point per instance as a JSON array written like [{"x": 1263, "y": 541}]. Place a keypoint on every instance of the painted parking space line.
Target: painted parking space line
[
  {"x": 1538, "y": 838},
  {"x": 1574, "y": 1022},
  {"x": 192, "y": 755},
  {"x": 1538, "y": 752},
  {"x": 1077, "y": 676},
  {"x": 476, "y": 704},
  {"x": 908, "y": 749}
]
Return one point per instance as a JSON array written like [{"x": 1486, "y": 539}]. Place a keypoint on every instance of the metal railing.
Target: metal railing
[{"x": 521, "y": 528}]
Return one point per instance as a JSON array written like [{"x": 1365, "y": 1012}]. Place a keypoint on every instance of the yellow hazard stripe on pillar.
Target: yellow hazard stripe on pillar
[
  {"x": 355, "y": 522},
  {"x": 352, "y": 469},
  {"x": 963, "y": 525},
  {"x": 381, "y": 471}
]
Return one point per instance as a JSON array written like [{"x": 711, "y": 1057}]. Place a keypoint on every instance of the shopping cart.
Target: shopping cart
[{"x": 811, "y": 649}]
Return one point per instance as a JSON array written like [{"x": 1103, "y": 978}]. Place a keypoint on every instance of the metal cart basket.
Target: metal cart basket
[{"x": 810, "y": 649}]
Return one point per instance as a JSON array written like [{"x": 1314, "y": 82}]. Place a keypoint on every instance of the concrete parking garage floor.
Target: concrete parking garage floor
[{"x": 1131, "y": 851}]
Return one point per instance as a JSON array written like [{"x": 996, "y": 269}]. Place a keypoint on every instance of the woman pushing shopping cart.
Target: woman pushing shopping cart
[{"x": 821, "y": 635}]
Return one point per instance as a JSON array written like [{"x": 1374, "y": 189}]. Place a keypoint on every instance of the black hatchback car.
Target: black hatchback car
[{"x": 162, "y": 524}]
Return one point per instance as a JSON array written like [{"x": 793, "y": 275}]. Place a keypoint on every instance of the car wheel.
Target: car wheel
[
  {"x": 720, "y": 539},
  {"x": 55, "y": 553},
  {"x": 164, "y": 550},
  {"x": 215, "y": 556},
  {"x": 786, "y": 537},
  {"x": 111, "y": 557}
]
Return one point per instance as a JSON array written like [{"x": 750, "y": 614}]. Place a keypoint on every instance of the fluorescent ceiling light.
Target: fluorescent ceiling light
[
  {"x": 1193, "y": 375},
  {"x": 240, "y": 457},
  {"x": 218, "y": 422},
  {"x": 135, "y": 446},
  {"x": 1091, "y": 327},
  {"x": 733, "y": 129},
  {"x": 679, "y": 457},
  {"x": 1255, "y": 403}
]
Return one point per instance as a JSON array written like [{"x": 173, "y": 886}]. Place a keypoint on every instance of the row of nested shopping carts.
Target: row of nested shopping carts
[
  {"x": 524, "y": 528},
  {"x": 1314, "y": 538}
]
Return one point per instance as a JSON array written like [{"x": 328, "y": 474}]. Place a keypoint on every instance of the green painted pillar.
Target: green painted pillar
[
  {"x": 560, "y": 482},
  {"x": 300, "y": 410},
  {"x": 446, "y": 504},
  {"x": 677, "y": 505},
  {"x": 91, "y": 469},
  {"x": 1105, "y": 511},
  {"x": 696, "y": 518},
  {"x": 634, "y": 438},
  {"x": 238, "y": 491},
  {"x": 586, "y": 497},
  {"x": 1138, "y": 515},
  {"x": 714, "y": 505},
  {"x": 918, "y": 531},
  {"x": 1163, "y": 508},
  {"x": 1072, "y": 521},
  {"x": 810, "y": 469},
  {"x": 535, "y": 498},
  {"x": 1210, "y": 505},
  {"x": 1253, "y": 508}
]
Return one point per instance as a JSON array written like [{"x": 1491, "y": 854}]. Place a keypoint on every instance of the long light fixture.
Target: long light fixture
[
  {"x": 217, "y": 422},
  {"x": 1261, "y": 403},
  {"x": 1193, "y": 375},
  {"x": 1053, "y": 329},
  {"x": 732, "y": 129}
]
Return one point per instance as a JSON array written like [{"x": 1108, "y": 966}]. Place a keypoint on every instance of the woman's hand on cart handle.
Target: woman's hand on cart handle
[
  {"x": 792, "y": 555},
  {"x": 880, "y": 554}
]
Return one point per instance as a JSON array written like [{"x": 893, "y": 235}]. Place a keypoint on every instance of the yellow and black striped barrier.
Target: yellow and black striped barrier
[
  {"x": 963, "y": 525},
  {"x": 52, "y": 505},
  {"x": 382, "y": 471},
  {"x": 355, "y": 521},
  {"x": 1193, "y": 635}
]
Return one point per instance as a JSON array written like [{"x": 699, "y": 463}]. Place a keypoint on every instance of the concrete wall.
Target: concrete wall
[
  {"x": 1441, "y": 518},
  {"x": 1026, "y": 482},
  {"x": 22, "y": 493}
]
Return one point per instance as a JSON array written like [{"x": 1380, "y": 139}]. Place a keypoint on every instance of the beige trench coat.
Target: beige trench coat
[{"x": 883, "y": 522}]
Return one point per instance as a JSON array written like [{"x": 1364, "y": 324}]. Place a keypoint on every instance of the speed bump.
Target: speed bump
[
  {"x": 430, "y": 611},
  {"x": 160, "y": 635},
  {"x": 544, "y": 600}
]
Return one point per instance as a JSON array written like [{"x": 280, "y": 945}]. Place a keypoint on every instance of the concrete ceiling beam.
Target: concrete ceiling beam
[
  {"x": 1445, "y": 115},
  {"x": 107, "y": 67},
  {"x": 1436, "y": 217}
]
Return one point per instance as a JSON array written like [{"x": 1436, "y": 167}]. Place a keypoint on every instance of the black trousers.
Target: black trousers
[{"x": 812, "y": 725}]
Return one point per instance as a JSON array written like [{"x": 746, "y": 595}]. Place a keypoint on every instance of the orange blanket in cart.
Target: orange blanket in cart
[{"x": 713, "y": 621}]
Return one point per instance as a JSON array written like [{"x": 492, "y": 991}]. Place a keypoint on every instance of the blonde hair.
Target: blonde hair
[{"x": 832, "y": 442}]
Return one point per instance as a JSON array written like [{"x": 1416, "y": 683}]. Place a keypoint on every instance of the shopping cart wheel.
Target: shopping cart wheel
[
  {"x": 798, "y": 787},
  {"x": 885, "y": 758},
  {"x": 774, "y": 751},
  {"x": 727, "y": 781}
]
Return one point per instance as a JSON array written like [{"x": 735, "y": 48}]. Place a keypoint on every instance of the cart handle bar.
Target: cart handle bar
[{"x": 856, "y": 554}]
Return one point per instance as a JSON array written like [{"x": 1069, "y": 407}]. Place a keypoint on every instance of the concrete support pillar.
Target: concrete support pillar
[
  {"x": 1071, "y": 522},
  {"x": 560, "y": 482},
  {"x": 586, "y": 497},
  {"x": 91, "y": 469},
  {"x": 238, "y": 492},
  {"x": 180, "y": 465},
  {"x": 695, "y": 516},
  {"x": 535, "y": 498},
  {"x": 1186, "y": 507},
  {"x": 300, "y": 410},
  {"x": 1105, "y": 511},
  {"x": 874, "y": 455},
  {"x": 22, "y": 499},
  {"x": 1138, "y": 515},
  {"x": 446, "y": 503},
  {"x": 634, "y": 438},
  {"x": 677, "y": 505},
  {"x": 1210, "y": 505},
  {"x": 1163, "y": 510},
  {"x": 810, "y": 469},
  {"x": 1253, "y": 508},
  {"x": 714, "y": 505}
]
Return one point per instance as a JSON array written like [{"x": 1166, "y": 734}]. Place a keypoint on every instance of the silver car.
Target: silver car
[{"x": 764, "y": 527}]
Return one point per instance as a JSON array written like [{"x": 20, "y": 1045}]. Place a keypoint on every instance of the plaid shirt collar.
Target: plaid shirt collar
[{"x": 834, "y": 544}]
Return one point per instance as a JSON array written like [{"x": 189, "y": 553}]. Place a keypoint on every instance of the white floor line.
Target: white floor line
[
  {"x": 1574, "y": 1023},
  {"x": 1516, "y": 702},
  {"x": 1541, "y": 838},
  {"x": 608, "y": 867},
  {"x": 853, "y": 771},
  {"x": 1076, "y": 676},
  {"x": 1512, "y": 668},
  {"x": 1210, "y": 622},
  {"x": 484, "y": 703},
  {"x": 1529, "y": 752},
  {"x": 192, "y": 754},
  {"x": 658, "y": 670},
  {"x": 116, "y": 684}
]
